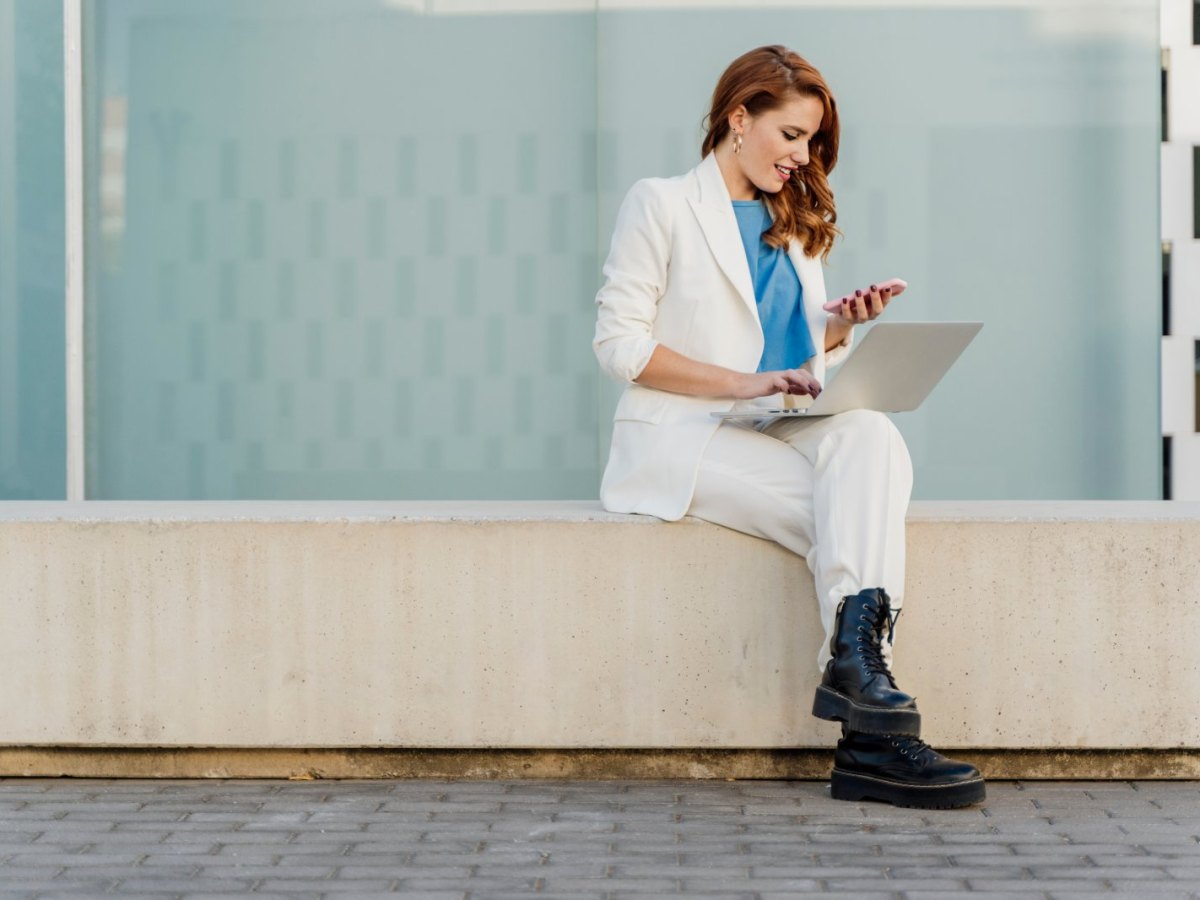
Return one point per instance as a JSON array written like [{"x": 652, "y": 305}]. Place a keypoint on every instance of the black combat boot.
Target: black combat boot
[
  {"x": 902, "y": 770},
  {"x": 857, "y": 687}
]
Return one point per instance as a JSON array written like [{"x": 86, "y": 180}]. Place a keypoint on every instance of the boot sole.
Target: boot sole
[
  {"x": 856, "y": 786},
  {"x": 829, "y": 704}
]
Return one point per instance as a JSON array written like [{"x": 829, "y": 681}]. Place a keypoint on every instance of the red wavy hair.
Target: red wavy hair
[{"x": 765, "y": 79}]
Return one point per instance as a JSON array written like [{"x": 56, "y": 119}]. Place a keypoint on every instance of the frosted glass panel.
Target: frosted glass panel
[
  {"x": 32, "y": 328},
  {"x": 343, "y": 250},
  {"x": 1005, "y": 164}
]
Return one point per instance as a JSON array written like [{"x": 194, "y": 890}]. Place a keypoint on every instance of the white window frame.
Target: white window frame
[{"x": 73, "y": 138}]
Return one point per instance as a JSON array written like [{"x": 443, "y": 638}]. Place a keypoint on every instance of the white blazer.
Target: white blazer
[{"x": 677, "y": 274}]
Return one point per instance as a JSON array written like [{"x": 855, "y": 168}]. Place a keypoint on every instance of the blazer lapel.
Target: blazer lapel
[
  {"x": 812, "y": 285},
  {"x": 714, "y": 212}
]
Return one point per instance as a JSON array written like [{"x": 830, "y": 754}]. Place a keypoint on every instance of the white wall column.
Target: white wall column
[
  {"x": 1182, "y": 60},
  {"x": 73, "y": 137}
]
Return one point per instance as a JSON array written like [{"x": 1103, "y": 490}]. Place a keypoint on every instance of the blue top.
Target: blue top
[{"x": 777, "y": 290}]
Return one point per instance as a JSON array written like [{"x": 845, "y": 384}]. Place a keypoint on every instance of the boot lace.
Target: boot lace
[
  {"x": 870, "y": 640},
  {"x": 914, "y": 748}
]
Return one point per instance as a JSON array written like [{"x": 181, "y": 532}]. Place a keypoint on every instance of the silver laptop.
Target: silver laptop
[{"x": 893, "y": 369}]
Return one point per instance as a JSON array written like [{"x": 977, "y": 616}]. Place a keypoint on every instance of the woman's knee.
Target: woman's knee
[
  {"x": 867, "y": 424},
  {"x": 871, "y": 430}
]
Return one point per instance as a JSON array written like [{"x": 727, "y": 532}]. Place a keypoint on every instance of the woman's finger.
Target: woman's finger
[
  {"x": 803, "y": 382},
  {"x": 876, "y": 302},
  {"x": 860, "y": 309}
]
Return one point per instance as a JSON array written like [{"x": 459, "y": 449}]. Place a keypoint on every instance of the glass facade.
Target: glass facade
[
  {"x": 32, "y": 268},
  {"x": 1004, "y": 163},
  {"x": 349, "y": 248},
  {"x": 354, "y": 260}
]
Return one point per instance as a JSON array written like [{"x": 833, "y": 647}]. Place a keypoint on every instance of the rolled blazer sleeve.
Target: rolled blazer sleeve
[
  {"x": 838, "y": 352},
  {"x": 635, "y": 278}
]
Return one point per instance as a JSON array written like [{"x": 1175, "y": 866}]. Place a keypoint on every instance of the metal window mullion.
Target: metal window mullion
[{"x": 73, "y": 147}]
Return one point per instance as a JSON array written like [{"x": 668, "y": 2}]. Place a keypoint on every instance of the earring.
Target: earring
[{"x": 737, "y": 142}]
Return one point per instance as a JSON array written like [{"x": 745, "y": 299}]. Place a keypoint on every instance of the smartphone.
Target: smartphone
[{"x": 896, "y": 284}]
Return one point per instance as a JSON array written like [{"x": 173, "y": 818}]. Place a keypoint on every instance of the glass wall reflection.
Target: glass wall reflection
[
  {"x": 348, "y": 251},
  {"x": 1003, "y": 160},
  {"x": 32, "y": 237}
]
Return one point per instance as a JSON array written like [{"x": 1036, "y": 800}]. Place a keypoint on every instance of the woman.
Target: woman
[{"x": 713, "y": 300}]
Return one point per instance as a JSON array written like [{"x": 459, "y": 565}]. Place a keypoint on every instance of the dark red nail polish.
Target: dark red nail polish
[
  {"x": 858, "y": 293},
  {"x": 874, "y": 288}
]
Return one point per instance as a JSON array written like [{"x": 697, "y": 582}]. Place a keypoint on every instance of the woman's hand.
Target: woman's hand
[
  {"x": 786, "y": 381},
  {"x": 859, "y": 307},
  {"x": 670, "y": 371}
]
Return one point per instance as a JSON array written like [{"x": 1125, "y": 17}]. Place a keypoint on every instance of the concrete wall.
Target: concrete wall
[{"x": 556, "y": 625}]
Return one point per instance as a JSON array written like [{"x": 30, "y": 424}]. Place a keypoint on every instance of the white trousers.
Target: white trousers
[{"x": 833, "y": 490}]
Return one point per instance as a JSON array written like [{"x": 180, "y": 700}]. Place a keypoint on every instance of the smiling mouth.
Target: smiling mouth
[{"x": 785, "y": 171}]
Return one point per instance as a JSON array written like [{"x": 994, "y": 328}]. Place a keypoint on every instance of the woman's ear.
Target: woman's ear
[{"x": 737, "y": 118}]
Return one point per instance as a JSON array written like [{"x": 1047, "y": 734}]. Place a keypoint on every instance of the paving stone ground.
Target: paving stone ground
[{"x": 448, "y": 840}]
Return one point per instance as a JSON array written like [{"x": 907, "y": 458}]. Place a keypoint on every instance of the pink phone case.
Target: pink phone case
[{"x": 896, "y": 284}]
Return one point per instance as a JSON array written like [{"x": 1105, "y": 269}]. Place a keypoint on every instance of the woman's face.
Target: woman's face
[{"x": 774, "y": 146}]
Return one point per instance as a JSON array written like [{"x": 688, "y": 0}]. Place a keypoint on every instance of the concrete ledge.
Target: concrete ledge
[{"x": 495, "y": 627}]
